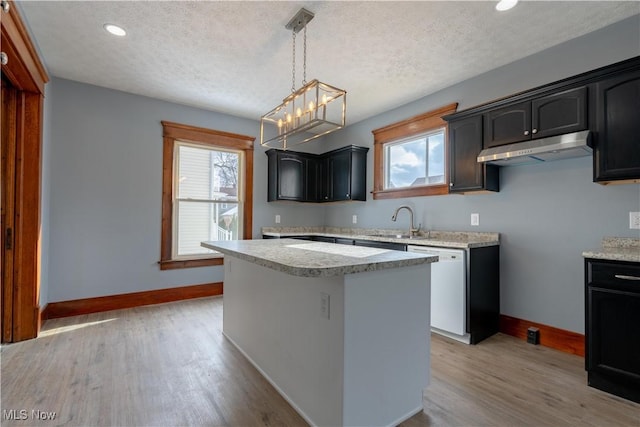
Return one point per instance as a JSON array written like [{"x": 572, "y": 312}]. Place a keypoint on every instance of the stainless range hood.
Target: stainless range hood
[{"x": 565, "y": 146}]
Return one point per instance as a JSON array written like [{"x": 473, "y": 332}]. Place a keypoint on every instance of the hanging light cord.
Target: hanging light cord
[
  {"x": 304, "y": 57},
  {"x": 293, "y": 68}
]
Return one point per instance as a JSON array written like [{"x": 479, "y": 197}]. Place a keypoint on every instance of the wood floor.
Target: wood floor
[{"x": 168, "y": 365}]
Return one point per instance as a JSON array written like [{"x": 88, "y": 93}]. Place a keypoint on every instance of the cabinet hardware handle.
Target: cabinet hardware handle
[
  {"x": 625, "y": 277},
  {"x": 451, "y": 184},
  {"x": 5, "y": 6},
  {"x": 535, "y": 131},
  {"x": 347, "y": 194},
  {"x": 526, "y": 132},
  {"x": 4, "y": 59}
]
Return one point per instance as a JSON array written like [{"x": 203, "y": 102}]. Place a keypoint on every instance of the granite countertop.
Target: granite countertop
[
  {"x": 316, "y": 259},
  {"x": 616, "y": 249},
  {"x": 443, "y": 239}
]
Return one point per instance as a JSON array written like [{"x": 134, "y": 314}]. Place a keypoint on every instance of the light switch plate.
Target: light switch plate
[
  {"x": 354, "y": 219},
  {"x": 475, "y": 219},
  {"x": 277, "y": 219},
  {"x": 634, "y": 220}
]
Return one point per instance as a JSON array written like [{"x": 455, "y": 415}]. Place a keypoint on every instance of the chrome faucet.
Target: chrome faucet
[{"x": 412, "y": 230}]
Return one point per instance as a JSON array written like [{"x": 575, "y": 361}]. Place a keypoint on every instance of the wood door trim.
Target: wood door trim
[
  {"x": 25, "y": 72},
  {"x": 24, "y": 69},
  {"x": 8, "y": 171},
  {"x": 559, "y": 339},
  {"x": 135, "y": 299}
]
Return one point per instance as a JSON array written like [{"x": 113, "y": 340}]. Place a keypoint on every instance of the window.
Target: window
[
  {"x": 207, "y": 193},
  {"x": 416, "y": 161},
  {"x": 410, "y": 157}
]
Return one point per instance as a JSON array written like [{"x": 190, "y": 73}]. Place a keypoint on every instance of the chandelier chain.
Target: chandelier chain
[
  {"x": 293, "y": 68},
  {"x": 304, "y": 56}
]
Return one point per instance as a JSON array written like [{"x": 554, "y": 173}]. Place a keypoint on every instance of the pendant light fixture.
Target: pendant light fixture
[{"x": 314, "y": 110}]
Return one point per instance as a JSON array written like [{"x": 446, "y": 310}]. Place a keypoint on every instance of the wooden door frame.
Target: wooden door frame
[{"x": 27, "y": 75}]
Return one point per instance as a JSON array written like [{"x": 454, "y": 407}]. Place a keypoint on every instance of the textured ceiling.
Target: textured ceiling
[{"x": 235, "y": 57}]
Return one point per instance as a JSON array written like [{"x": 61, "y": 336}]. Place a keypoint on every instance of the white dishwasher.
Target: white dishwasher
[{"x": 448, "y": 291}]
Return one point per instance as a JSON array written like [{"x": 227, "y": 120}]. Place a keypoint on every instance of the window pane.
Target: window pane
[
  {"x": 409, "y": 164},
  {"x": 201, "y": 221},
  {"x": 406, "y": 163},
  {"x": 207, "y": 174}
]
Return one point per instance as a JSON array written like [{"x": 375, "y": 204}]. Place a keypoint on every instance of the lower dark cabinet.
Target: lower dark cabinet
[{"x": 612, "y": 332}]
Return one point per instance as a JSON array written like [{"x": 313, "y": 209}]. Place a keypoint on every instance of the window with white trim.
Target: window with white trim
[
  {"x": 207, "y": 199},
  {"x": 207, "y": 193}
]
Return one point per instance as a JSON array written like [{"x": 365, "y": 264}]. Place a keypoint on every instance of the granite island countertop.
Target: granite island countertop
[
  {"x": 316, "y": 259},
  {"x": 443, "y": 239},
  {"x": 616, "y": 249}
]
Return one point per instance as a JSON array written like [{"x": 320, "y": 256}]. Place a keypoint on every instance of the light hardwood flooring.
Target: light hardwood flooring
[{"x": 169, "y": 365}]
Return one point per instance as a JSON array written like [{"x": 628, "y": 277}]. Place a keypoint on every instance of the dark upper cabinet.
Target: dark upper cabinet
[
  {"x": 313, "y": 177},
  {"x": 465, "y": 143},
  {"x": 334, "y": 176},
  {"x": 549, "y": 115},
  {"x": 507, "y": 125},
  {"x": 559, "y": 113},
  {"x": 617, "y": 146},
  {"x": 286, "y": 176},
  {"x": 345, "y": 174}
]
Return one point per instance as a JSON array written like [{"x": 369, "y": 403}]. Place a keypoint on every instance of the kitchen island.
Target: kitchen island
[{"x": 341, "y": 332}]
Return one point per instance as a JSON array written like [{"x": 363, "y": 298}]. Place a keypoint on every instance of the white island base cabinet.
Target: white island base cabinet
[{"x": 347, "y": 350}]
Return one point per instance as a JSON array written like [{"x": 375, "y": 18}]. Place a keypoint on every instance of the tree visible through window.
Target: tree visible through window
[{"x": 206, "y": 193}]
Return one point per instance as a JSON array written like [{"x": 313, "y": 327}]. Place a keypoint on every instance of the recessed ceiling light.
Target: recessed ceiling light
[
  {"x": 116, "y": 30},
  {"x": 506, "y": 5}
]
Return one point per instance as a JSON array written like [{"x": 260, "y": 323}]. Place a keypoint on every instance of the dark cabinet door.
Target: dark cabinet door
[
  {"x": 291, "y": 177},
  {"x": 507, "y": 125},
  {"x": 617, "y": 151},
  {"x": 312, "y": 186},
  {"x": 612, "y": 333},
  {"x": 339, "y": 174},
  {"x": 465, "y": 143},
  {"x": 559, "y": 113}
]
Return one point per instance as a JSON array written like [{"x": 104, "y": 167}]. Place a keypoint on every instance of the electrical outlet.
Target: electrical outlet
[
  {"x": 475, "y": 219},
  {"x": 324, "y": 305},
  {"x": 354, "y": 219},
  {"x": 634, "y": 220},
  {"x": 277, "y": 219}
]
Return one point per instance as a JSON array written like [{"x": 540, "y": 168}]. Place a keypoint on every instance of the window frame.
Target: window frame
[
  {"x": 420, "y": 124},
  {"x": 174, "y": 133}
]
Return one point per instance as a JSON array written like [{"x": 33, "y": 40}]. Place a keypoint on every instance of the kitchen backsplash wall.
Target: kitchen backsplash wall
[{"x": 546, "y": 214}]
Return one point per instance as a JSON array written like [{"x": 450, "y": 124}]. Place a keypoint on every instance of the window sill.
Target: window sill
[
  {"x": 171, "y": 264},
  {"x": 432, "y": 190}
]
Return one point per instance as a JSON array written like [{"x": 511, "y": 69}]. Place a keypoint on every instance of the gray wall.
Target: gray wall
[
  {"x": 547, "y": 214},
  {"x": 102, "y": 191}
]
